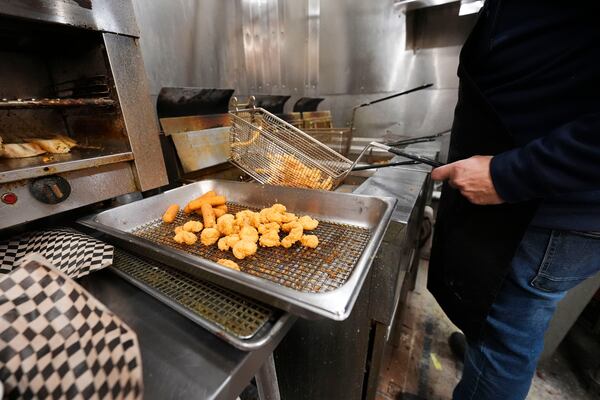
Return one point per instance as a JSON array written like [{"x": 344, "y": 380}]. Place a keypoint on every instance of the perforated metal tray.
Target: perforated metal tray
[
  {"x": 240, "y": 321},
  {"x": 311, "y": 283}
]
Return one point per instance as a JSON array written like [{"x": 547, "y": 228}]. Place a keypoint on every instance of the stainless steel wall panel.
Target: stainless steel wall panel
[
  {"x": 115, "y": 16},
  {"x": 347, "y": 51}
]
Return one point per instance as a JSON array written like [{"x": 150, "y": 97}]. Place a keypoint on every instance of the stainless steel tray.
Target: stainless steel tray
[
  {"x": 320, "y": 283},
  {"x": 240, "y": 321}
]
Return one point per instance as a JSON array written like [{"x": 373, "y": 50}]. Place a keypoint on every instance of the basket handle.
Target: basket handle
[{"x": 235, "y": 105}]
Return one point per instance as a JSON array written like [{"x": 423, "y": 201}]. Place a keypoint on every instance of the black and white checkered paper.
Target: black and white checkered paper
[
  {"x": 59, "y": 342},
  {"x": 74, "y": 253}
]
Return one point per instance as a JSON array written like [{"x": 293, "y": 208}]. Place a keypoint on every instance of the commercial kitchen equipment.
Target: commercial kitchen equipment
[
  {"x": 74, "y": 69},
  {"x": 67, "y": 69}
]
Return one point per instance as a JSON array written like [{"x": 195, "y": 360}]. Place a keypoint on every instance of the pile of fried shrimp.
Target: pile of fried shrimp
[{"x": 243, "y": 232}]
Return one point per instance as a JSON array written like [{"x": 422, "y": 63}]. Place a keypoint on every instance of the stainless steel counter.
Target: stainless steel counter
[{"x": 180, "y": 359}]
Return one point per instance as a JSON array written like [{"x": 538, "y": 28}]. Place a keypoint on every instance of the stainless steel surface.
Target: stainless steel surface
[
  {"x": 103, "y": 15},
  {"x": 361, "y": 213},
  {"x": 268, "y": 47},
  {"x": 108, "y": 181},
  {"x": 266, "y": 381},
  {"x": 55, "y": 103},
  {"x": 202, "y": 149},
  {"x": 137, "y": 109},
  {"x": 181, "y": 360},
  {"x": 240, "y": 321},
  {"x": 273, "y": 151},
  {"x": 12, "y": 170}
]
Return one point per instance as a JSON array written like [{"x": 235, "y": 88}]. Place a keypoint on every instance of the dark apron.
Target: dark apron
[{"x": 473, "y": 245}]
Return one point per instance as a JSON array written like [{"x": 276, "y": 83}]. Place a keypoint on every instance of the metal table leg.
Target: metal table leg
[{"x": 266, "y": 381}]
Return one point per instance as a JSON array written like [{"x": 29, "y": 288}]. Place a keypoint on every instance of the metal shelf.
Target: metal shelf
[
  {"x": 6, "y": 104},
  {"x": 12, "y": 170}
]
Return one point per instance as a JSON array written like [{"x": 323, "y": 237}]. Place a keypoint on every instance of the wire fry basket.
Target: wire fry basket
[{"x": 275, "y": 152}]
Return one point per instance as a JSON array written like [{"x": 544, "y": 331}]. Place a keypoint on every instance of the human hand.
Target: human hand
[{"x": 472, "y": 178}]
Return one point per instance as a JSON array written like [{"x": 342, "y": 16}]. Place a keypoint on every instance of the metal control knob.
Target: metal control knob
[{"x": 50, "y": 190}]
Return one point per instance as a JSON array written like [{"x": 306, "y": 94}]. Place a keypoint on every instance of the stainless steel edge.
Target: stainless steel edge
[
  {"x": 267, "y": 332},
  {"x": 57, "y": 167},
  {"x": 137, "y": 109},
  {"x": 102, "y": 15},
  {"x": 108, "y": 181},
  {"x": 336, "y": 304}
]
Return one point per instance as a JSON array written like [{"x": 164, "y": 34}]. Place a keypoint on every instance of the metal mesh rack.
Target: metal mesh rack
[
  {"x": 275, "y": 152},
  {"x": 307, "y": 270},
  {"x": 222, "y": 308}
]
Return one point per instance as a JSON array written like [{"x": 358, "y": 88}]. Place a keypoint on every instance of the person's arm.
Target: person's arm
[{"x": 565, "y": 161}]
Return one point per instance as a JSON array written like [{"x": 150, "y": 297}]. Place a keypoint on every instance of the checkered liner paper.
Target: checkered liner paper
[
  {"x": 59, "y": 342},
  {"x": 72, "y": 252}
]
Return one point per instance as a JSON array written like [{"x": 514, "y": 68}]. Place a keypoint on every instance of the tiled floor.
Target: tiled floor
[{"x": 421, "y": 363}]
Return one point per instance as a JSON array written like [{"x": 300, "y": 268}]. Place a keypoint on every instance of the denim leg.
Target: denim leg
[{"x": 546, "y": 265}]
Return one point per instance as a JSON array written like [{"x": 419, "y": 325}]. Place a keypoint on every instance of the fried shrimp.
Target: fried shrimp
[
  {"x": 228, "y": 263},
  {"x": 249, "y": 233},
  {"x": 295, "y": 233},
  {"x": 227, "y": 242},
  {"x": 225, "y": 224},
  {"x": 308, "y": 223},
  {"x": 243, "y": 249},
  {"x": 209, "y": 236},
  {"x": 185, "y": 237},
  {"x": 270, "y": 239},
  {"x": 311, "y": 241},
  {"x": 193, "y": 226}
]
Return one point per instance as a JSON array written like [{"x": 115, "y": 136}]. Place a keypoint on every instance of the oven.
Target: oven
[{"x": 70, "y": 70}]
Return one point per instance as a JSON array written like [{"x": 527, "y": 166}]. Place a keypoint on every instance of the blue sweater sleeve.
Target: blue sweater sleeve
[{"x": 566, "y": 160}]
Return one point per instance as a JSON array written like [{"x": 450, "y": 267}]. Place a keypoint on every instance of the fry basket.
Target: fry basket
[{"x": 275, "y": 152}]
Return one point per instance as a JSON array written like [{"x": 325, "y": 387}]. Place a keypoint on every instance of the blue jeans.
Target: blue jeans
[{"x": 500, "y": 366}]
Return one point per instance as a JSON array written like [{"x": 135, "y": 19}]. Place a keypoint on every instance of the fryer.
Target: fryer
[
  {"x": 323, "y": 282},
  {"x": 72, "y": 71}
]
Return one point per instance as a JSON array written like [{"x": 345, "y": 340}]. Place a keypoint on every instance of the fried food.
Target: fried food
[
  {"x": 249, "y": 233},
  {"x": 225, "y": 224},
  {"x": 271, "y": 226},
  {"x": 311, "y": 241},
  {"x": 288, "y": 217},
  {"x": 244, "y": 217},
  {"x": 226, "y": 242},
  {"x": 60, "y": 145},
  {"x": 211, "y": 200},
  {"x": 171, "y": 213},
  {"x": 243, "y": 249},
  {"x": 187, "y": 208},
  {"x": 228, "y": 263},
  {"x": 295, "y": 234},
  {"x": 21, "y": 150},
  {"x": 274, "y": 216},
  {"x": 222, "y": 207},
  {"x": 219, "y": 212},
  {"x": 280, "y": 208},
  {"x": 270, "y": 239},
  {"x": 208, "y": 215},
  {"x": 178, "y": 229},
  {"x": 209, "y": 236},
  {"x": 288, "y": 170},
  {"x": 193, "y": 226},
  {"x": 308, "y": 223},
  {"x": 185, "y": 237}
]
